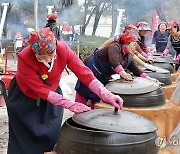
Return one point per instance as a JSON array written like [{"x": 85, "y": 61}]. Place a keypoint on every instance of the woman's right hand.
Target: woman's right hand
[
  {"x": 98, "y": 88},
  {"x": 79, "y": 108},
  {"x": 165, "y": 53},
  {"x": 150, "y": 60},
  {"x": 125, "y": 75}
]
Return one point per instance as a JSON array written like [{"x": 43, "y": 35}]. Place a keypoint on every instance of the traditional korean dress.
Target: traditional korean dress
[
  {"x": 102, "y": 63},
  {"x": 34, "y": 123}
]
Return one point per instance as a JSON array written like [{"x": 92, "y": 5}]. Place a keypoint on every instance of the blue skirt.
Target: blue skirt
[{"x": 33, "y": 129}]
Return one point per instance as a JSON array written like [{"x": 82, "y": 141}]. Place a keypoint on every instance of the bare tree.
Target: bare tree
[
  {"x": 93, "y": 7},
  {"x": 67, "y": 3},
  {"x": 87, "y": 18},
  {"x": 100, "y": 8}
]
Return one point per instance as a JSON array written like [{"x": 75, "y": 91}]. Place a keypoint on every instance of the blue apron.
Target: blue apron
[{"x": 101, "y": 70}]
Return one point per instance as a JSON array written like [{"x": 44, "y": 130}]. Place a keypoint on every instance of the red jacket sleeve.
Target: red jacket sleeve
[{"x": 83, "y": 73}]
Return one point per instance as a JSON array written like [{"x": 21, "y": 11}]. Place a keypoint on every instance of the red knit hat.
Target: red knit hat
[
  {"x": 52, "y": 16},
  {"x": 172, "y": 24},
  {"x": 127, "y": 37},
  {"x": 42, "y": 41}
]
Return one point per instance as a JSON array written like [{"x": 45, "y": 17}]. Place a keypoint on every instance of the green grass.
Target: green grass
[
  {"x": 87, "y": 45},
  {"x": 90, "y": 39}
]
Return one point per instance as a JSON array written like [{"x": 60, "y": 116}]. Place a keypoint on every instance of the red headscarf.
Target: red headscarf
[
  {"x": 130, "y": 27},
  {"x": 133, "y": 29},
  {"x": 126, "y": 37},
  {"x": 52, "y": 16},
  {"x": 42, "y": 41},
  {"x": 172, "y": 24}
]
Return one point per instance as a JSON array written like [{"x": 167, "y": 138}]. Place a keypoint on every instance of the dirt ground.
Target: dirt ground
[
  {"x": 67, "y": 83},
  {"x": 3, "y": 130}
]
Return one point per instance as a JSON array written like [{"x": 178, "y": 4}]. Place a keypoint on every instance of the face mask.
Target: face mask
[
  {"x": 40, "y": 60},
  {"x": 47, "y": 62}
]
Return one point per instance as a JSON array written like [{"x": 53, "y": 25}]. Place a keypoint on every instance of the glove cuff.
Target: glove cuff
[
  {"x": 143, "y": 75},
  {"x": 166, "y": 51},
  {"x": 58, "y": 99},
  {"x": 144, "y": 54},
  {"x": 118, "y": 69},
  {"x": 178, "y": 58},
  {"x": 98, "y": 88},
  {"x": 95, "y": 86},
  {"x": 153, "y": 46}
]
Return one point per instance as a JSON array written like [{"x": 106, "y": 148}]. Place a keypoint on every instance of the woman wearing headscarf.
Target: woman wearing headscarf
[
  {"x": 143, "y": 30},
  {"x": 143, "y": 58},
  {"x": 138, "y": 57},
  {"x": 35, "y": 102},
  {"x": 52, "y": 21},
  {"x": 112, "y": 59}
]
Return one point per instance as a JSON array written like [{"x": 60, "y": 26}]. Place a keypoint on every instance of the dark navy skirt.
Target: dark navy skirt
[{"x": 33, "y": 129}]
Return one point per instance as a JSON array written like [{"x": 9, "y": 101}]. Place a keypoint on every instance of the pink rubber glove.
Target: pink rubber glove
[
  {"x": 75, "y": 107},
  {"x": 153, "y": 47},
  {"x": 144, "y": 54},
  {"x": 118, "y": 69},
  {"x": 165, "y": 53},
  {"x": 178, "y": 58},
  {"x": 98, "y": 88},
  {"x": 143, "y": 75}
]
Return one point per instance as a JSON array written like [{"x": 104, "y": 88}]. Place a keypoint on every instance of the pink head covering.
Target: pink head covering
[{"x": 172, "y": 24}]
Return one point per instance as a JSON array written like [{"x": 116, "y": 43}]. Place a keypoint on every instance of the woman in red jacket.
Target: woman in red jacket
[{"x": 35, "y": 102}]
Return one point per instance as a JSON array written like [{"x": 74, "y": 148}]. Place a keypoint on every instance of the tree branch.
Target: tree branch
[{"x": 89, "y": 18}]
